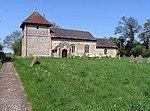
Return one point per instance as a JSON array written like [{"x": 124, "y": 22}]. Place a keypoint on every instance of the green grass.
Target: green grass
[{"x": 85, "y": 84}]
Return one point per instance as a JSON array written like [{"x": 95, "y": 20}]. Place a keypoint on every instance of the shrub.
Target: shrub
[
  {"x": 1, "y": 64},
  {"x": 138, "y": 50},
  {"x": 122, "y": 51},
  {"x": 146, "y": 53},
  {"x": 2, "y": 56}
]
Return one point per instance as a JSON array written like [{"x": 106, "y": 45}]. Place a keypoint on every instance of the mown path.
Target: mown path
[{"x": 12, "y": 97}]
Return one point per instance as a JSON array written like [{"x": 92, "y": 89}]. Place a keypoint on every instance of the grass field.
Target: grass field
[{"x": 86, "y": 84}]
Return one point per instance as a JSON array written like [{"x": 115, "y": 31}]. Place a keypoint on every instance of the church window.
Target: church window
[
  {"x": 86, "y": 48},
  {"x": 72, "y": 48},
  {"x": 105, "y": 51}
]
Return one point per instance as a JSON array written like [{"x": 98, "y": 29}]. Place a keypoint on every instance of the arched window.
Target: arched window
[
  {"x": 72, "y": 48},
  {"x": 86, "y": 48},
  {"x": 105, "y": 51}
]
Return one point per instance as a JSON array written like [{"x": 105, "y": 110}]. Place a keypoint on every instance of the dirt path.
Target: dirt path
[{"x": 11, "y": 94}]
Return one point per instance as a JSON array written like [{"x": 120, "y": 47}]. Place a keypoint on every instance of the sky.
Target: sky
[{"x": 100, "y": 17}]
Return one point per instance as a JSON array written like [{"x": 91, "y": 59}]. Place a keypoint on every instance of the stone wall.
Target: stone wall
[
  {"x": 79, "y": 46},
  {"x": 38, "y": 41},
  {"x": 110, "y": 52}
]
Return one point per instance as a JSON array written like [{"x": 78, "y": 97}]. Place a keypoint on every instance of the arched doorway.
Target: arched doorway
[{"x": 64, "y": 53}]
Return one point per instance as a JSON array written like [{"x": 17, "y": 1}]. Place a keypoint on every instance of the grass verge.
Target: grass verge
[{"x": 85, "y": 84}]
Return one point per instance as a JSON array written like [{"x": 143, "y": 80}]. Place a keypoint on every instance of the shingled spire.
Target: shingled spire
[{"x": 36, "y": 19}]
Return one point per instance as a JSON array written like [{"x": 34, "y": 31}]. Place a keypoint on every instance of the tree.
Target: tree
[
  {"x": 118, "y": 41},
  {"x": 137, "y": 49},
  {"x": 128, "y": 27},
  {"x": 13, "y": 41},
  {"x": 1, "y": 46},
  {"x": 145, "y": 35},
  {"x": 114, "y": 40}
]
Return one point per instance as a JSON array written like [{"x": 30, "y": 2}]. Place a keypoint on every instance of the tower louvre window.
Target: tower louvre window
[{"x": 37, "y": 27}]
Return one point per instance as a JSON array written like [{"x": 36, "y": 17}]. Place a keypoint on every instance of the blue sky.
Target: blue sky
[{"x": 100, "y": 17}]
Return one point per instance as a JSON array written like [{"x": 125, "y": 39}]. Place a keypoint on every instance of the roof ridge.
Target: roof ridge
[{"x": 72, "y": 29}]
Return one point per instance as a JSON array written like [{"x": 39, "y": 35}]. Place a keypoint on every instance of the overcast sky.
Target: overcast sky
[{"x": 100, "y": 17}]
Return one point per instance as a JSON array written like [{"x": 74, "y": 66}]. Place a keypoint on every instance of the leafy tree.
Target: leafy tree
[
  {"x": 1, "y": 46},
  {"x": 146, "y": 53},
  {"x": 121, "y": 41},
  {"x": 127, "y": 28},
  {"x": 17, "y": 48},
  {"x": 114, "y": 40},
  {"x": 145, "y": 35},
  {"x": 122, "y": 51},
  {"x": 137, "y": 50},
  {"x": 13, "y": 41}
]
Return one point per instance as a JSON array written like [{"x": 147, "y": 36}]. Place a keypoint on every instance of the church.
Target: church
[{"x": 40, "y": 38}]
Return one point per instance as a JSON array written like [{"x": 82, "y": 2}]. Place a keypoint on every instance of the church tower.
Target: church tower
[{"x": 36, "y": 39}]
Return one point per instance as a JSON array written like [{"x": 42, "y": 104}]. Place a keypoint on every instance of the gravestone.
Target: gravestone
[
  {"x": 132, "y": 59},
  {"x": 119, "y": 56},
  {"x": 140, "y": 59},
  {"x": 148, "y": 60},
  {"x": 34, "y": 60},
  {"x": 124, "y": 56}
]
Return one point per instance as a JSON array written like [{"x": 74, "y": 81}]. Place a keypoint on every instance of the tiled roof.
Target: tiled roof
[
  {"x": 72, "y": 34},
  {"x": 105, "y": 43},
  {"x": 36, "y": 18}
]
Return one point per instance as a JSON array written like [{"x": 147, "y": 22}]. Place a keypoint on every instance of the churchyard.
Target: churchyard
[{"x": 86, "y": 84}]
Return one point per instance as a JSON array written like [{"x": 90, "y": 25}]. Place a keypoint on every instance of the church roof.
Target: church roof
[
  {"x": 72, "y": 34},
  {"x": 105, "y": 43},
  {"x": 36, "y": 18}
]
